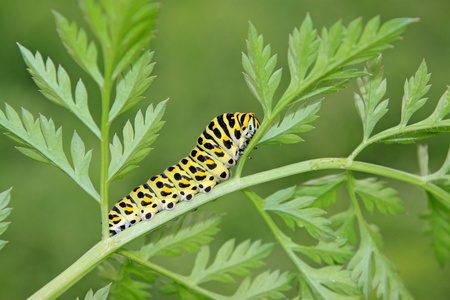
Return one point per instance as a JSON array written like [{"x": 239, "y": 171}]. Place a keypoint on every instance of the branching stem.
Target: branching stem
[
  {"x": 109, "y": 245},
  {"x": 169, "y": 274}
]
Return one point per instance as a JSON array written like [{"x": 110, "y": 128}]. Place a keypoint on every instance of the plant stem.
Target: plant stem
[
  {"x": 109, "y": 245},
  {"x": 104, "y": 143},
  {"x": 74, "y": 273},
  {"x": 284, "y": 241},
  {"x": 169, "y": 274},
  {"x": 399, "y": 130}
]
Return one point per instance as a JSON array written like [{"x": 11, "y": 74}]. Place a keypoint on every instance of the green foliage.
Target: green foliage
[
  {"x": 374, "y": 194},
  {"x": 320, "y": 59},
  {"x": 330, "y": 282},
  {"x": 438, "y": 217},
  {"x": 330, "y": 252},
  {"x": 415, "y": 88},
  {"x": 342, "y": 264},
  {"x": 267, "y": 285},
  {"x": 4, "y": 212},
  {"x": 298, "y": 211},
  {"x": 136, "y": 141},
  {"x": 323, "y": 189},
  {"x": 372, "y": 270},
  {"x": 132, "y": 85},
  {"x": 101, "y": 294},
  {"x": 186, "y": 234},
  {"x": 372, "y": 88},
  {"x": 259, "y": 66},
  {"x": 42, "y": 142},
  {"x": 123, "y": 29},
  {"x": 294, "y": 121},
  {"x": 126, "y": 286},
  {"x": 229, "y": 260},
  {"x": 56, "y": 87}
]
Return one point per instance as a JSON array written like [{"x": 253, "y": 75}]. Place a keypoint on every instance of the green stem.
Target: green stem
[
  {"x": 282, "y": 239},
  {"x": 353, "y": 199},
  {"x": 398, "y": 130},
  {"x": 75, "y": 272},
  {"x": 104, "y": 143},
  {"x": 131, "y": 255},
  {"x": 107, "y": 246}
]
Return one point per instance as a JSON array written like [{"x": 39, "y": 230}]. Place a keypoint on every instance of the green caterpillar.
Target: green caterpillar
[{"x": 218, "y": 148}]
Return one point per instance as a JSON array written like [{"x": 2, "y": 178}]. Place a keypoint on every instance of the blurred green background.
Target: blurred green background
[{"x": 198, "y": 53}]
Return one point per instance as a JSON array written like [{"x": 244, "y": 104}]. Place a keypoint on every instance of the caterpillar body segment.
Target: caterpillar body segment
[{"x": 218, "y": 148}]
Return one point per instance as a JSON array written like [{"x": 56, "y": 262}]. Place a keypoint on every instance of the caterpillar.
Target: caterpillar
[{"x": 218, "y": 148}]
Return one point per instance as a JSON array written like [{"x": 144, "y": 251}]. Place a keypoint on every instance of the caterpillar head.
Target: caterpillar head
[{"x": 250, "y": 125}]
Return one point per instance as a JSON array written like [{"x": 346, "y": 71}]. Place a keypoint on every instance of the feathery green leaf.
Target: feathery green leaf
[
  {"x": 4, "y": 212},
  {"x": 329, "y": 283},
  {"x": 132, "y": 85},
  {"x": 55, "y": 85},
  {"x": 46, "y": 145},
  {"x": 259, "y": 68},
  {"x": 441, "y": 111},
  {"x": 324, "y": 189},
  {"x": 136, "y": 142},
  {"x": 374, "y": 193},
  {"x": 229, "y": 260},
  {"x": 368, "y": 104},
  {"x": 267, "y": 285},
  {"x": 125, "y": 284},
  {"x": 75, "y": 40},
  {"x": 331, "y": 253},
  {"x": 124, "y": 28},
  {"x": 188, "y": 234},
  {"x": 101, "y": 294},
  {"x": 372, "y": 270},
  {"x": 415, "y": 88},
  {"x": 345, "y": 221},
  {"x": 438, "y": 226},
  {"x": 294, "y": 121},
  {"x": 314, "y": 60},
  {"x": 298, "y": 211}
]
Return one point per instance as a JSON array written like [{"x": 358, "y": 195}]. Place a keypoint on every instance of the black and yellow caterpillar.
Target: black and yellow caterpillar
[{"x": 218, "y": 148}]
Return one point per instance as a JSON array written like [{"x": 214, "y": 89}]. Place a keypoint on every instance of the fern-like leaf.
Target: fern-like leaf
[
  {"x": 438, "y": 226},
  {"x": 132, "y": 85},
  {"x": 294, "y": 121},
  {"x": 329, "y": 283},
  {"x": 375, "y": 194},
  {"x": 4, "y": 212},
  {"x": 372, "y": 89},
  {"x": 259, "y": 68},
  {"x": 55, "y": 85},
  {"x": 44, "y": 143},
  {"x": 415, "y": 88},
  {"x": 267, "y": 285},
  {"x": 298, "y": 211},
  {"x": 188, "y": 234},
  {"x": 373, "y": 271},
  {"x": 331, "y": 253},
  {"x": 345, "y": 223},
  {"x": 323, "y": 189},
  {"x": 316, "y": 63},
  {"x": 101, "y": 294},
  {"x": 229, "y": 260},
  {"x": 124, "y": 28},
  {"x": 75, "y": 40},
  {"x": 441, "y": 111},
  {"x": 125, "y": 284},
  {"x": 136, "y": 141}
]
